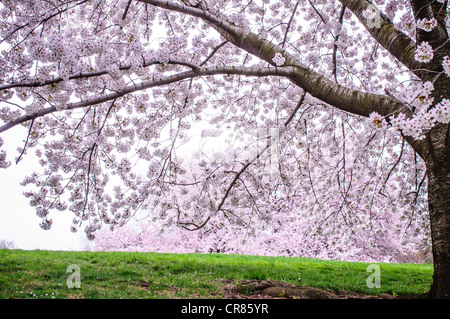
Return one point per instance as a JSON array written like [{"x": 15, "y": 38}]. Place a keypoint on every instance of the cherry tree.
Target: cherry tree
[{"x": 356, "y": 93}]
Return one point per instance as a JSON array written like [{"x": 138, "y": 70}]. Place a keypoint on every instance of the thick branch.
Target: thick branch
[
  {"x": 346, "y": 99},
  {"x": 384, "y": 32},
  {"x": 88, "y": 75},
  {"x": 286, "y": 71},
  {"x": 438, "y": 37},
  {"x": 440, "y": 11}
]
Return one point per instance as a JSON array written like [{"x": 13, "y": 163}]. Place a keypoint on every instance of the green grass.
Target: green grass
[{"x": 42, "y": 274}]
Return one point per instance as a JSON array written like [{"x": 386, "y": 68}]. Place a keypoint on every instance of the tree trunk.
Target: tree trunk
[
  {"x": 438, "y": 171},
  {"x": 439, "y": 210}
]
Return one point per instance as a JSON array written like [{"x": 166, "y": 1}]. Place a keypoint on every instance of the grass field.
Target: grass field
[{"x": 43, "y": 274}]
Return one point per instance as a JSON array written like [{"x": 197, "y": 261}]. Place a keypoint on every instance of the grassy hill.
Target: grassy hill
[{"x": 43, "y": 274}]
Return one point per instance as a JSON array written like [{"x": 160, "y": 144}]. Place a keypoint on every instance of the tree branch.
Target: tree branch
[
  {"x": 346, "y": 99},
  {"x": 126, "y": 10},
  {"x": 335, "y": 46},
  {"x": 89, "y": 75},
  {"x": 234, "y": 70},
  {"x": 440, "y": 12},
  {"x": 438, "y": 37},
  {"x": 394, "y": 41},
  {"x": 289, "y": 25}
]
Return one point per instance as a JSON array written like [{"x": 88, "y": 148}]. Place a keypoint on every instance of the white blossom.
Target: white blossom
[
  {"x": 427, "y": 24},
  {"x": 278, "y": 59},
  {"x": 424, "y": 53}
]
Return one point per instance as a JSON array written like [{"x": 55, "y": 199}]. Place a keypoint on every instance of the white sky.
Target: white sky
[{"x": 18, "y": 221}]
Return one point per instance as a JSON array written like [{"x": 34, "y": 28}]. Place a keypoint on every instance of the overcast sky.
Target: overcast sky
[{"x": 18, "y": 221}]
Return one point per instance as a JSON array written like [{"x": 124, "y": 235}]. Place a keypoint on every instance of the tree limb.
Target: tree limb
[
  {"x": 259, "y": 72},
  {"x": 394, "y": 41},
  {"x": 438, "y": 37},
  {"x": 335, "y": 46},
  {"x": 88, "y": 75},
  {"x": 346, "y": 99}
]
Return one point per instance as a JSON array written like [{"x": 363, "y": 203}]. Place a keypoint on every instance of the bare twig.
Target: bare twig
[
  {"x": 26, "y": 142},
  {"x": 336, "y": 39},
  {"x": 396, "y": 163},
  {"x": 126, "y": 10},
  {"x": 289, "y": 25}
]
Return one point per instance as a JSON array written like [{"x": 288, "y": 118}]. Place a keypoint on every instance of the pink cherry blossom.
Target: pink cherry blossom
[
  {"x": 278, "y": 59},
  {"x": 427, "y": 24},
  {"x": 424, "y": 52}
]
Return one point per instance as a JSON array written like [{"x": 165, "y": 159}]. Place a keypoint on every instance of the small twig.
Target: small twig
[
  {"x": 289, "y": 25},
  {"x": 336, "y": 39},
  {"x": 420, "y": 186},
  {"x": 26, "y": 142},
  {"x": 321, "y": 17},
  {"x": 92, "y": 149},
  {"x": 396, "y": 163},
  {"x": 196, "y": 227},
  {"x": 260, "y": 153},
  {"x": 126, "y": 10},
  {"x": 215, "y": 49}
]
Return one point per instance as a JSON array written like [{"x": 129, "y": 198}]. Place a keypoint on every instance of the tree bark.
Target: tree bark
[
  {"x": 439, "y": 210},
  {"x": 438, "y": 171},
  {"x": 401, "y": 46}
]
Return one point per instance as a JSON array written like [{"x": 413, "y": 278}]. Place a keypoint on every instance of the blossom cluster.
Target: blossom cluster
[
  {"x": 422, "y": 121},
  {"x": 425, "y": 117},
  {"x": 369, "y": 13},
  {"x": 424, "y": 52},
  {"x": 427, "y": 24},
  {"x": 279, "y": 59},
  {"x": 377, "y": 121},
  {"x": 3, "y": 162}
]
